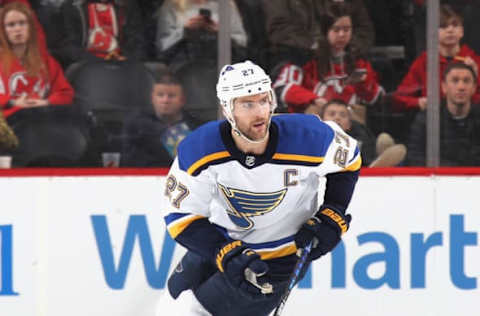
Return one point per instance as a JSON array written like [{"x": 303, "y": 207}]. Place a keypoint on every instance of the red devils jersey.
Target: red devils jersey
[
  {"x": 103, "y": 29},
  {"x": 16, "y": 83},
  {"x": 300, "y": 86}
]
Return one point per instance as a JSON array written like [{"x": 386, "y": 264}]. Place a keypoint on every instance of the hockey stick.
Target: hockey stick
[{"x": 294, "y": 276}]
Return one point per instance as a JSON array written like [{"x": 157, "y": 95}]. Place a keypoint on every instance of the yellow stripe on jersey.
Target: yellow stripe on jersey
[
  {"x": 205, "y": 160},
  {"x": 314, "y": 159},
  {"x": 355, "y": 165},
  {"x": 285, "y": 251},
  {"x": 180, "y": 225}
]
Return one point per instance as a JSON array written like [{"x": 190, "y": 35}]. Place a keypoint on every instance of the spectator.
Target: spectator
[
  {"x": 29, "y": 77},
  {"x": 337, "y": 71},
  {"x": 152, "y": 136},
  {"x": 42, "y": 39},
  {"x": 376, "y": 152},
  {"x": 459, "y": 121},
  {"x": 418, "y": 8},
  {"x": 187, "y": 30},
  {"x": 295, "y": 28},
  {"x": 102, "y": 29},
  {"x": 412, "y": 91}
]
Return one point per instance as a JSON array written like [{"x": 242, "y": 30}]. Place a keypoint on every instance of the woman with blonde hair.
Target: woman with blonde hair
[
  {"x": 187, "y": 31},
  {"x": 29, "y": 76}
]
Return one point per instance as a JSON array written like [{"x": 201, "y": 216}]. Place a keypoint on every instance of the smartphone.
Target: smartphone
[
  {"x": 356, "y": 75},
  {"x": 206, "y": 13},
  {"x": 359, "y": 72}
]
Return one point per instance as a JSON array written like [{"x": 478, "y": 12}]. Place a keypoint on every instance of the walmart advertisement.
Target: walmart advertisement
[{"x": 97, "y": 246}]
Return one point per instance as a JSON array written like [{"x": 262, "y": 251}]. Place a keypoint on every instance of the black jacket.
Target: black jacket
[
  {"x": 459, "y": 139},
  {"x": 366, "y": 140},
  {"x": 292, "y": 22},
  {"x": 143, "y": 145}
]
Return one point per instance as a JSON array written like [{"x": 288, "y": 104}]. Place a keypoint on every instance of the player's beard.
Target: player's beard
[{"x": 254, "y": 131}]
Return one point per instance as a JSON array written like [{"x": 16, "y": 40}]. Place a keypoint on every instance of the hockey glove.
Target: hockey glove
[
  {"x": 241, "y": 267},
  {"x": 325, "y": 228}
]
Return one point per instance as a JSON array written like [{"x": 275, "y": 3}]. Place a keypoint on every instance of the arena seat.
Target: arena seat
[
  {"x": 48, "y": 137},
  {"x": 110, "y": 85},
  {"x": 199, "y": 80},
  {"x": 107, "y": 93}
]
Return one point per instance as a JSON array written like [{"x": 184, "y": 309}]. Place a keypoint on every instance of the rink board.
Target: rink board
[{"x": 96, "y": 246}]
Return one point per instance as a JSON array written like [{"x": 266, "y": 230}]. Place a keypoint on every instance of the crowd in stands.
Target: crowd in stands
[{"x": 82, "y": 77}]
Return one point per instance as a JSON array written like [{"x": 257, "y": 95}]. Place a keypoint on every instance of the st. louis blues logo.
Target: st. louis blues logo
[{"x": 244, "y": 204}]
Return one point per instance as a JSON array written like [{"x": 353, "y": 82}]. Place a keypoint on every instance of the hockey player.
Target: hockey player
[{"x": 242, "y": 198}]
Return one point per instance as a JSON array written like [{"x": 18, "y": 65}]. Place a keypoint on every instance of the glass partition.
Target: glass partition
[
  {"x": 134, "y": 78},
  {"x": 445, "y": 132}
]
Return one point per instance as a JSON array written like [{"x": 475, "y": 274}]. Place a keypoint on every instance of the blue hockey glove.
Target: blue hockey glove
[
  {"x": 325, "y": 228},
  {"x": 190, "y": 273},
  {"x": 241, "y": 267}
]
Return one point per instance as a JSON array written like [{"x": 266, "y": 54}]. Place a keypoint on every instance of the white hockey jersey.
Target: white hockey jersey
[{"x": 260, "y": 199}]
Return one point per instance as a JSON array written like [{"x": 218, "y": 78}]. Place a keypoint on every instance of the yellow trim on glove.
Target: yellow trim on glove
[
  {"x": 336, "y": 218},
  {"x": 226, "y": 249}
]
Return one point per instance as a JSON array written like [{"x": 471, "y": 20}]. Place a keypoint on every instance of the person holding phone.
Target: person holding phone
[
  {"x": 187, "y": 31},
  {"x": 337, "y": 71},
  {"x": 206, "y": 13},
  {"x": 203, "y": 20}
]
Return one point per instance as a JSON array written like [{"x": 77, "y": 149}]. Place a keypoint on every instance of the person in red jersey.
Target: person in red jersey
[
  {"x": 29, "y": 76},
  {"x": 411, "y": 94},
  {"x": 338, "y": 71}
]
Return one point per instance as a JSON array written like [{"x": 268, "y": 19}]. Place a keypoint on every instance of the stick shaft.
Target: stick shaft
[{"x": 294, "y": 277}]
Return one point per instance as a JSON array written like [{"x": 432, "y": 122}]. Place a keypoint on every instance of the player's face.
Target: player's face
[
  {"x": 459, "y": 86},
  {"x": 252, "y": 115},
  {"x": 450, "y": 33},
  {"x": 339, "y": 114},
  {"x": 16, "y": 27},
  {"x": 340, "y": 34},
  {"x": 167, "y": 99}
]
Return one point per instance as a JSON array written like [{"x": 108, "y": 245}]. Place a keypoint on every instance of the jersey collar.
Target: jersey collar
[{"x": 249, "y": 160}]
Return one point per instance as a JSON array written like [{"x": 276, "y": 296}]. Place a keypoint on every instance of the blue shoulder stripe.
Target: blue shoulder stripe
[
  {"x": 302, "y": 138},
  {"x": 201, "y": 148}
]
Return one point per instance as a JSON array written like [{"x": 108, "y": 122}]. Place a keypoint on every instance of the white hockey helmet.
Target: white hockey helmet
[{"x": 240, "y": 80}]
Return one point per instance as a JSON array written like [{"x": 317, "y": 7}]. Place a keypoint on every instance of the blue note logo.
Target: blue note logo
[{"x": 244, "y": 204}]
